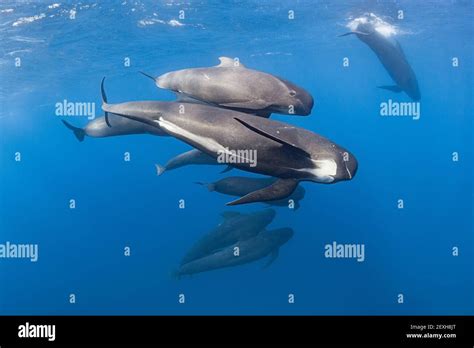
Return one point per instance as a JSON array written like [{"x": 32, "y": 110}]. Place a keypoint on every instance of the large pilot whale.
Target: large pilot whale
[
  {"x": 264, "y": 244},
  {"x": 390, "y": 54},
  {"x": 98, "y": 128},
  {"x": 231, "y": 85},
  {"x": 290, "y": 153}
]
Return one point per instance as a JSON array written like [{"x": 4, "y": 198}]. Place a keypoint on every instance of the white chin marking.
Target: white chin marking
[{"x": 324, "y": 172}]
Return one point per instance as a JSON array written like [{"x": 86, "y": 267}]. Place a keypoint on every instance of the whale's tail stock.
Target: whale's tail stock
[{"x": 78, "y": 132}]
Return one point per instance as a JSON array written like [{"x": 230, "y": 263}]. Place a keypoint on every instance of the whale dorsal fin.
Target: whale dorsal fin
[
  {"x": 283, "y": 135},
  {"x": 226, "y": 62}
]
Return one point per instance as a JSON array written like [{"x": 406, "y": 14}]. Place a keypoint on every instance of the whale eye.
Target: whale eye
[{"x": 292, "y": 93}]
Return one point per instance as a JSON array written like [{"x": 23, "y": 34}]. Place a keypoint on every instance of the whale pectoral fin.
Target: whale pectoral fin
[
  {"x": 273, "y": 257},
  {"x": 227, "y": 169},
  {"x": 226, "y": 62},
  {"x": 280, "y": 189},
  {"x": 395, "y": 88},
  {"x": 276, "y": 137}
]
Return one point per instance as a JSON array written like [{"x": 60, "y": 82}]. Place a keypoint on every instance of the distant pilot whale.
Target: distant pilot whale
[
  {"x": 264, "y": 244},
  {"x": 98, "y": 128},
  {"x": 231, "y": 85},
  {"x": 290, "y": 153},
  {"x": 235, "y": 227},
  {"x": 391, "y": 55}
]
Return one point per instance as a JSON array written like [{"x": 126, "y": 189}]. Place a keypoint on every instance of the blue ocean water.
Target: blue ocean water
[{"x": 66, "y": 48}]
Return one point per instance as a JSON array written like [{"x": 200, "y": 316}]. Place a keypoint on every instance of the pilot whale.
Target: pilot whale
[
  {"x": 264, "y": 244},
  {"x": 231, "y": 85},
  {"x": 290, "y": 153},
  {"x": 190, "y": 157},
  {"x": 240, "y": 186},
  {"x": 98, "y": 128},
  {"x": 235, "y": 227},
  {"x": 392, "y": 57}
]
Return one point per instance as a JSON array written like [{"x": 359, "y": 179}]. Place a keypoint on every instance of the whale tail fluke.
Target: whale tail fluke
[
  {"x": 159, "y": 169},
  {"x": 210, "y": 186},
  {"x": 78, "y": 132}
]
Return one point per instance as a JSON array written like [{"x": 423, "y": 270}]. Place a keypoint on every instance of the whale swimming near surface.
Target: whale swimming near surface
[
  {"x": 235, "y": 227},
  {"x": 377, "y": 35},
  {"x": 98, "y": 128},
  {"x": 240, "y": 186},
  {"x": 231, "y": 85},
  {"x": 290, "y": 153},
  {"x": 263, "y": 244}
]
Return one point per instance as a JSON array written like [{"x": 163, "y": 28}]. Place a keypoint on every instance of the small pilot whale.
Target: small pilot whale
[
  {"x": 391, "y": 55},
  {"x": 231, "y": 85},
  {"x": 264, "y": 244},
  {"x": 290, "y": 153},
  {"x": 187, "y": 158},
  {"x": 240, "y": 186}
]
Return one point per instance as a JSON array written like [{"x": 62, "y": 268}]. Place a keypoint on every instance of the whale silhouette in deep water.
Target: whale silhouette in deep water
[
  {"x": 392, "y": 57},
  {"x": 263, "y": 244},
  {"x": 231, "y": 85},
  {"x": 290, "y": 153},
  {"x": 241, "y": 185},
  {"x": 235, "y": 227}
]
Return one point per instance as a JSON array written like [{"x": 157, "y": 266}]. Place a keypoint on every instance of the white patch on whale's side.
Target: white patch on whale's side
[{"x": 210, "y": 144}]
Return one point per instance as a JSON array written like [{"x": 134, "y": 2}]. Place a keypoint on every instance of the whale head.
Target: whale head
[
  {"x": 261, "y": 218},
  {"x": 280, "y": 236},
  {"x": 331, "y": 164},
  {"x": 292, "y": 99}
]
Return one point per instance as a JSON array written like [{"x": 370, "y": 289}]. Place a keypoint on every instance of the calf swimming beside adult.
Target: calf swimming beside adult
[
  {"x": 231, "y": 85},
  {"x": 264, "y": 244}
]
